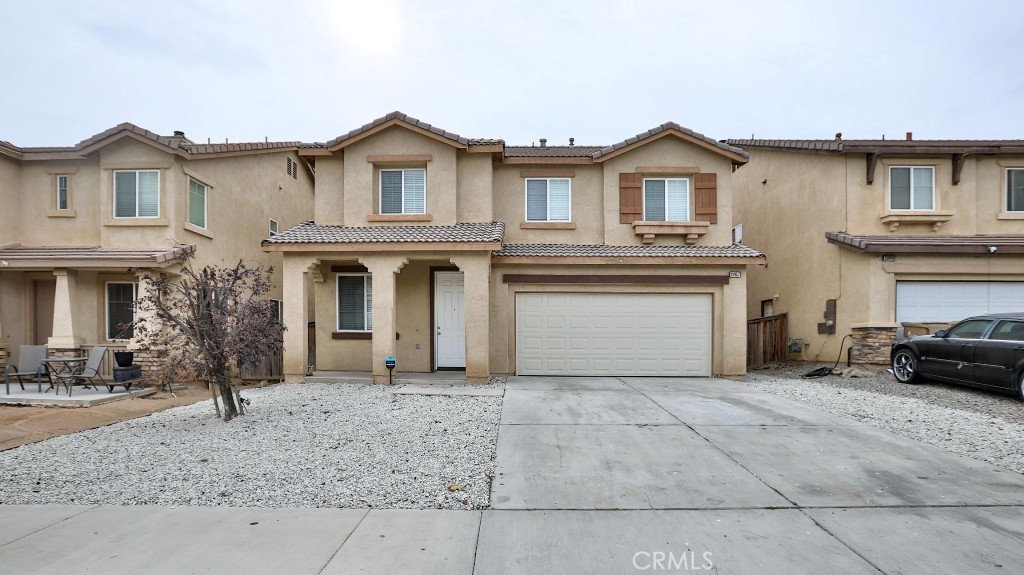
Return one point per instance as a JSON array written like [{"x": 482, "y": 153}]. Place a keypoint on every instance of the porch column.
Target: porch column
[
  {"x": 734, "y": 327},
  {"x": 149, "y": 360},
  {"x": 476, "y": 270},
  {"x": 382, "y": 271},
  {"x": 64, "y": 312},
  {"x": 294, "y": 277}
]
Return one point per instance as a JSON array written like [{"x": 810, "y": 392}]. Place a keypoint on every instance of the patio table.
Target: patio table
[{"x": 64, "y": 370}]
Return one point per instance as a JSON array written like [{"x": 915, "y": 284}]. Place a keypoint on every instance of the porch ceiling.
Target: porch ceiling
[{"x": 16, "y": 256}]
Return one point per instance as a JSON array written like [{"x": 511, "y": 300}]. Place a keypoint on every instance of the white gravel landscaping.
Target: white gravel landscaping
[
  {"x": 974, "y": 423},
  {"x": 310, "y": 445}
]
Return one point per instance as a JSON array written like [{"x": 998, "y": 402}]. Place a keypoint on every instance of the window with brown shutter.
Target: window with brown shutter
[
  {"x": 631, "y": 205},
  {"x": 706, "y": 197}
]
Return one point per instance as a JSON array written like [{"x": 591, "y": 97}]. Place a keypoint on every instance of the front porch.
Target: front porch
[{"x": 81, "y": 397}]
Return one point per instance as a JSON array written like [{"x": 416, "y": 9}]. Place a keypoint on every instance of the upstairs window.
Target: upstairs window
[
  {"x": 1015, "y": 190},
  {"x": 911, "y": 188},
  {"x": 548, "y": 199},
  {"x": 273, "y": 227},
  {"x": 62, "y": 191},
  {"x": 137, "y": 194},
  {"x": 120, "y": 310},
  {"x": 197, "y": 203},
  {"x": 403, "y": 191},
  {"x": 666, "y": 200},
  {"x": 355, "y": 302}
]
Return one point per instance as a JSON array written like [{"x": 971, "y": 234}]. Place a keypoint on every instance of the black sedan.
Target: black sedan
[{"x": 985, "y": 351}]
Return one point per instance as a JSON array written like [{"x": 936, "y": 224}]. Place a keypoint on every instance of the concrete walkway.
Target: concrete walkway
[{"x": 602, "y": 475}]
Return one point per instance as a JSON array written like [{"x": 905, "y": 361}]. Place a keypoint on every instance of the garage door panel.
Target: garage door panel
[
  {"x": 921, "y": 301},
  {"x": 613, "y": 334}
]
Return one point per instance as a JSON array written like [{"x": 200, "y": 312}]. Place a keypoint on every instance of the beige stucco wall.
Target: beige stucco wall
[
  {"x": 586, "y": 194},
  {"x": 667, "y": 151},
  {"x": 787, "y": 201},
  {"x": 10, "y": 220},
  {"x": 474, "y": 184}
]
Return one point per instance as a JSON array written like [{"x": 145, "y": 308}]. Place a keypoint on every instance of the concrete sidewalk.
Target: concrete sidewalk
[{"x": 602, "y": 475}]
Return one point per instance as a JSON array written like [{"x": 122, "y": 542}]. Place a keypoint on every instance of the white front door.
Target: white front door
[{"x": 450, "y": 319}]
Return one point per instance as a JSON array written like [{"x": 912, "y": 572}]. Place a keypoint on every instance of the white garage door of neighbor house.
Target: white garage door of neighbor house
[
  {"x": 953, "y": 301},
  {"x": 613, "y": 334}
]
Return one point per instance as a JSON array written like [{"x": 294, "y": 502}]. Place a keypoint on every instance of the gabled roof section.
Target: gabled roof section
[
  {"x": 177, "y": 145},
  {"x": 734, "y": 154},
  {"x": 929, "y": 147},
  {"x": 399, "y": 119}
]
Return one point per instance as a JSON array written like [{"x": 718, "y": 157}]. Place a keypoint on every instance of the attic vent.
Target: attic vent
[{"x": 293, "y": 168}]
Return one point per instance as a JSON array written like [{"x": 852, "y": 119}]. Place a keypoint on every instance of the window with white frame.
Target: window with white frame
[
  {"x": 137, "y": 194},
  {"x": 666, "y": 200},
  {"x": 355, "y": 302},
  {"x": 548, "y": 199},
  {"x": 278, "y": 307},
  {"x": 62, "y": 191},
  {"x": 1015, "y": 190},
  {"x": 120, "y": 310},
  {"x": 911, "y": 188},
  {"x": 197, "y": 203},
  {"x": 273, "y": 227},
  {"x": 403, "y": 191}
]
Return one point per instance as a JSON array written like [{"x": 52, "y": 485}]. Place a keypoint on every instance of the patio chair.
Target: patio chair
[
  {"x": 31, "y": 359},
  {"x": 91, "y": 370}
]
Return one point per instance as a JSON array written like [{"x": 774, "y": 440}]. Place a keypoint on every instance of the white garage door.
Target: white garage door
[
  {"x": 613, "y": 334},
  {"x": 952, "y": 301}
]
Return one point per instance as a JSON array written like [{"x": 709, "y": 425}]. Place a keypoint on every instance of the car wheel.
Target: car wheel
[
  {"x": 904, "y": 366},
  {"x": 1020, "y": 386}
]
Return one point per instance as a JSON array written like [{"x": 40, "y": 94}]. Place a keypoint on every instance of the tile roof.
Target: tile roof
[
  {"x": 901, "y": 146},
  {"x": 978, "y": 244},
  {"x": 551, "y": 151},
  {"x": 669, "y": 126},
  {"x": 419, "y": 124},
  {"x": 200, "y": 149},
  {"x": 606, "y": 251},
  {"x": 25, "y": 256},
  {"x": 310, "y": 233}
]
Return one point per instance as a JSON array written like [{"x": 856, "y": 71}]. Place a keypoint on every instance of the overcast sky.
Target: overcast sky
[{"x": 517, "y": 70}]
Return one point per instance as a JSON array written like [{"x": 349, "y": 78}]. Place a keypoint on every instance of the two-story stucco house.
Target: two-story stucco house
[
  {"x": 864, "y": 236},
  {"x": 449, "y": 252},
  {"x": 79, "y": 224}
]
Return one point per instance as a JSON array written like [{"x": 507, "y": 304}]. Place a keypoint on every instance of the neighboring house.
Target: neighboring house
[
  {"x": 863, "y": 236},
  {"x": 80, "y": 224},
  {"x": 448, "y": 252}
]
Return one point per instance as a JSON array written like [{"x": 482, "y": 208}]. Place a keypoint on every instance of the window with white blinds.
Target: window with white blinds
[
  {"x": 197, "y": 203},
  {"x": 120, "y": 310},
  {"x": 137, "y": 194},
  {"x": 403, "y": 191},
  {"x": 666, "y": 200},
  {"x": 548, "y": 199},
  {"x": 355, "y": 302}
]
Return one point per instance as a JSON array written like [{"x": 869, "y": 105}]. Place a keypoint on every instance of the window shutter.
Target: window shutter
[
  {"x": 706, "y": 197},
  {"x": 631, "y": 205}
]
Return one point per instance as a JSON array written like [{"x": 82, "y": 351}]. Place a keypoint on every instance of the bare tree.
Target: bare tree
[{"x": 205, "y": 322}]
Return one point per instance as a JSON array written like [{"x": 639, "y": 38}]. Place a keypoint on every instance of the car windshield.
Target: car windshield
[
  {"x": 1009, "y": 331},
  {"x": 970, "y": 329}
]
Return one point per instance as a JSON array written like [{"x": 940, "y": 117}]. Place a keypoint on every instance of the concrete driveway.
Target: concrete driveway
[{"x": 603, "y": 475}]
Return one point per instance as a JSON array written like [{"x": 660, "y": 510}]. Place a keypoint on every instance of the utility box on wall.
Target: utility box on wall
[{"x": 829, "y": 325}]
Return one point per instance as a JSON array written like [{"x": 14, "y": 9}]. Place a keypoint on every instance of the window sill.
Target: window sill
[
  {"x": 136, "y": 222},
  {"x": 547, "y": 226},
  {"x": 399, "y": 218},
  {"x": 1010, "y": 216},
  {"x": 935, "y": 218},
  {"x": 62, "y": 214},
  {"x": 691, "y": 231},
  {"x": 190, "y": 227},
  {"x": 352, "y": 335}
]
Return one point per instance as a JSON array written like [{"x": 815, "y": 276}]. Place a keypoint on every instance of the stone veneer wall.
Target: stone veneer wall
[
  {"x": 3, "y": 357},
  {"x": 872, "y": 344},
  {"x": 151, "y": 362},
  {"x": 66, "y": 352}
]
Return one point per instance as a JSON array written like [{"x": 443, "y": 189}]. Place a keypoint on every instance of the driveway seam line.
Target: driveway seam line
[
  {"x": 344, "y": 541},
  {"x": 843, "y": 543},
  {"x": 476, "y": 546},
  {"x": 45, "y": 527}
]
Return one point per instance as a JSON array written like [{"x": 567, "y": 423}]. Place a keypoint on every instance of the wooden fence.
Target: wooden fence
[
  {"x": 767, "y": 341},
  {"x": 271, "y": 369}
]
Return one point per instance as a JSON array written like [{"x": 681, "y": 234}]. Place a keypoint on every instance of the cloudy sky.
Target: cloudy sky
[{"x": 519, "y": 70}]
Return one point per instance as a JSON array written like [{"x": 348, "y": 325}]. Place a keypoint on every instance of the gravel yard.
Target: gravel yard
[
  {"x": 312, "y": 445},
  {"x": 975, "y": 423}
]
